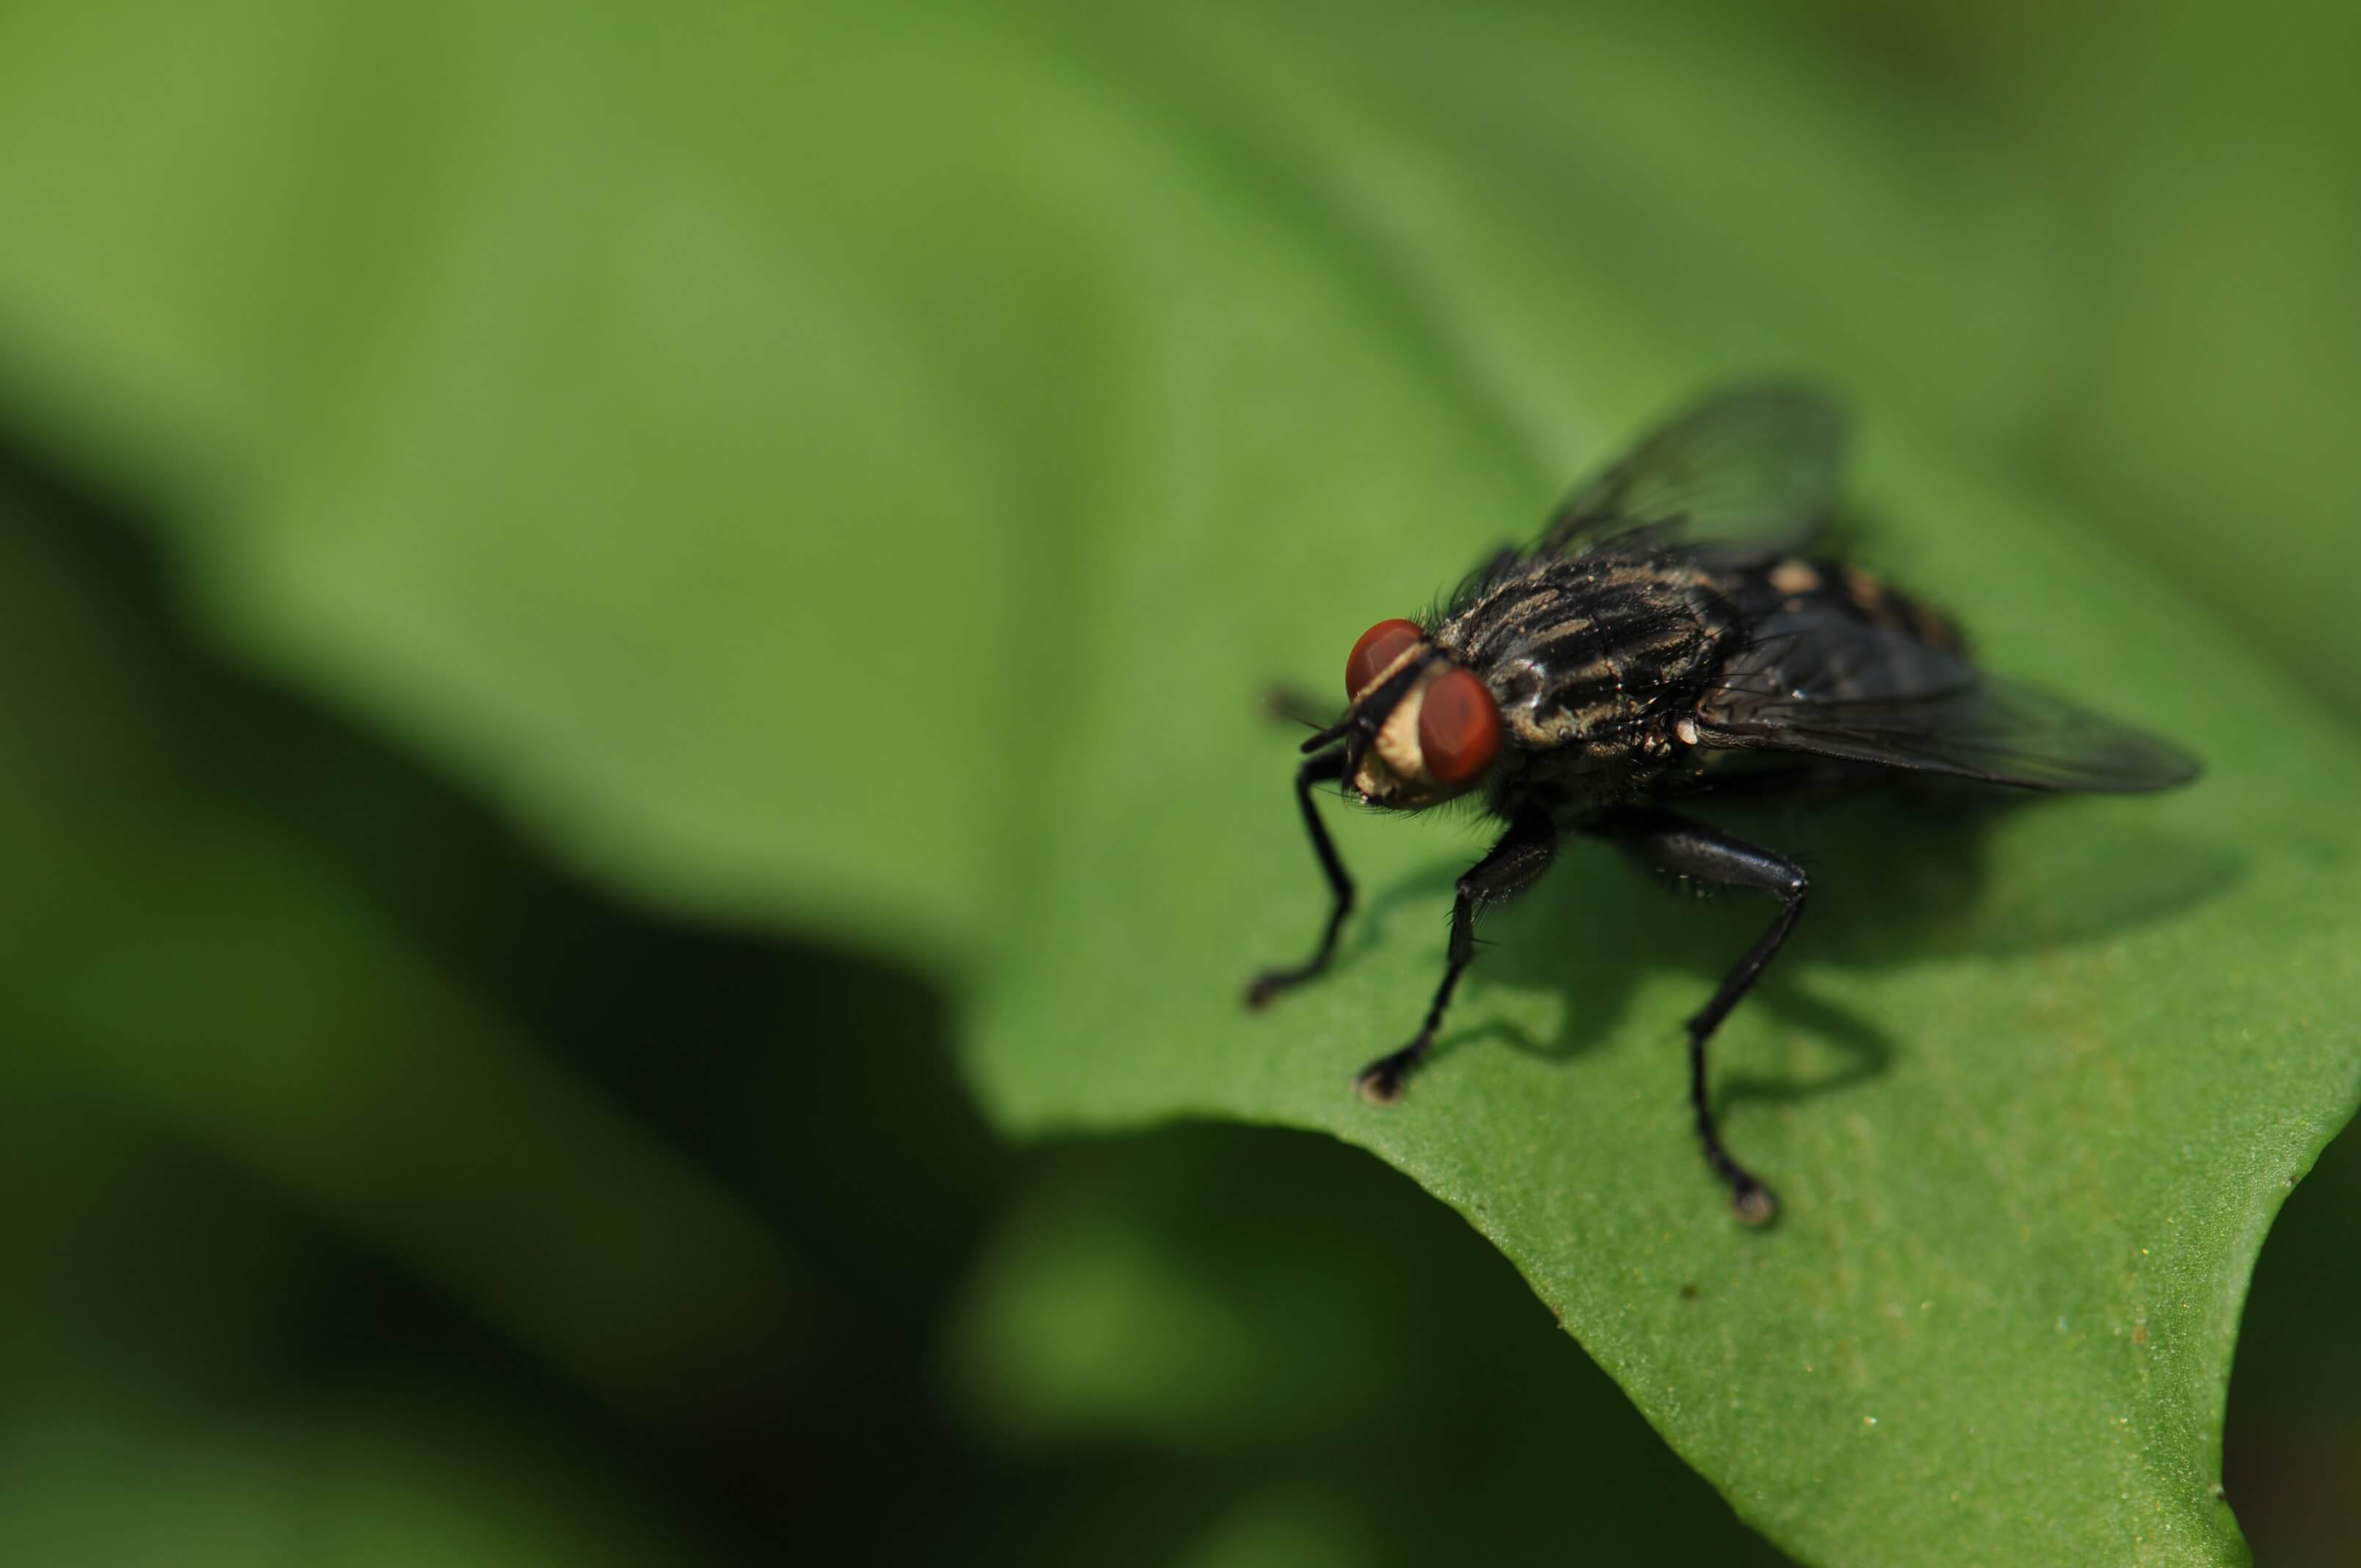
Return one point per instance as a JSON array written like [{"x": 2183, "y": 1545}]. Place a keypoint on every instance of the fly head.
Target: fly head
[{"x": 1421, "y": 728}]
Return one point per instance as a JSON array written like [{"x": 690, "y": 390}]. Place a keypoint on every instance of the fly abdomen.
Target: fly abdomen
[
  {"x": 1795, "y": 586},
  {"x": 1832, "y": 633}
]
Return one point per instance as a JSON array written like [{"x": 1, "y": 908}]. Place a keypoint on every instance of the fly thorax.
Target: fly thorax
[{"x": 1535, "y": 712}]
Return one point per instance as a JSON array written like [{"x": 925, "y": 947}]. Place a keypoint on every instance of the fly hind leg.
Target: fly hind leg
[
  {"x": 1692, "y": 850},
  {"x": 1512, "y": 864}
]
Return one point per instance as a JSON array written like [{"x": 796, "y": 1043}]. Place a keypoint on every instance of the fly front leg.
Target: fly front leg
[
  {"x": 1322, "y": 769},
  {"x": 1692, "y": 850},
  {"x": 1523, "y": 854}
]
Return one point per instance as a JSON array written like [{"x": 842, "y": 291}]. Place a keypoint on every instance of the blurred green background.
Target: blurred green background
[{"x": 464, "y": 1106}]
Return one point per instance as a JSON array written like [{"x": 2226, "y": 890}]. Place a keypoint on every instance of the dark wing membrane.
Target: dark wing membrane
[
  {"x": 1754, "y": 465},
  {"x": 1874, "y": 696}
]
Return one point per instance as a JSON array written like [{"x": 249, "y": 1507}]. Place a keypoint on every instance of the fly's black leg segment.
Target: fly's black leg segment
[
  {"x": 1321, "y": 769},
  {"x": 1512, "y": 864},
  {"x": 1691, "y": 849}
]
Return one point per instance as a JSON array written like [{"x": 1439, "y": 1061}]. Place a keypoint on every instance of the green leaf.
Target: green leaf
[
  {"x": 856, "y": 470},
  {"x": 2030, "y": 1088}
]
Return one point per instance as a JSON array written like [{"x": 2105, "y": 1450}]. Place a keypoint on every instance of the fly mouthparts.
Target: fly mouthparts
[
  {"x": 1362, "y": 718},
  {"x": 1327, "y": 737}
]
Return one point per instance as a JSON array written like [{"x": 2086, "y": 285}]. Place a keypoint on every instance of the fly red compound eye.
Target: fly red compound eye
[
  {"x": 1380, "y": 645},
  {"x": 1458, "y": 728}
]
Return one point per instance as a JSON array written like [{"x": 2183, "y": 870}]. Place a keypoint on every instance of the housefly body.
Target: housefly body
[{"x": 1673, "y": 637}]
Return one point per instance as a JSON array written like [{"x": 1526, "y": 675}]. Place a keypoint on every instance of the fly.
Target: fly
[{"x": 1675, "y": 636}]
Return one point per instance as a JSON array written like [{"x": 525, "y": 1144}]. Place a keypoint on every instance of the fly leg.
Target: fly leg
[
  {"x": 1523, "y": 854},
  {"x": 1692, "y": 850},
  {"x": 1321, "y": 769}
]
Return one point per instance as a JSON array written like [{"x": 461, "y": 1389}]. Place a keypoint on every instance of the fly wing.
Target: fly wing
[
  {"x": 1871, "y": 694},
  {"x": 1755, "y": 466}
]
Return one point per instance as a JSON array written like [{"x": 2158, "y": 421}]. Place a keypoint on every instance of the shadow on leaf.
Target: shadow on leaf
[{"x": 1897, "y": 877}]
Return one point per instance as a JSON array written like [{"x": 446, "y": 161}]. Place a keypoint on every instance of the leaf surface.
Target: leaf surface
[{"x": 857, "y": 469}]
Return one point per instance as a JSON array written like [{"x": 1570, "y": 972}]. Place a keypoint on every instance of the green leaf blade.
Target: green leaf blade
[
  {"x": 858, "y": 472},
  {"x": 2028, "y": 1124}
]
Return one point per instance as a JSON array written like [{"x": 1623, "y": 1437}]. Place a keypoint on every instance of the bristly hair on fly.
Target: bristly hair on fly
[{"x": 1685, "y": 631}]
